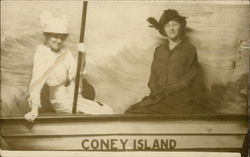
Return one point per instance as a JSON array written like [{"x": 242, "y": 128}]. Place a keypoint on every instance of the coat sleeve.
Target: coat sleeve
[
  {"x": 190, "y": 71},
  {"x": 153, "y": 76},
  {"x": 36, "y": 86}
]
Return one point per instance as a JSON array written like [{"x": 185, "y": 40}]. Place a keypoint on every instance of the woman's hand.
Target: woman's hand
[
  {"x": 81, "y": 47},
  {"x": 83, "y": 73},
  {"x": 31, "y": 116}
]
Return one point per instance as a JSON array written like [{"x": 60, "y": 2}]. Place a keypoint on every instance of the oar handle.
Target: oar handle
[{"x": 80, "y": 56}]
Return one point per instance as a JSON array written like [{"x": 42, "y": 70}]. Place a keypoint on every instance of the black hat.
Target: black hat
[{"x": 167, "y": 16}]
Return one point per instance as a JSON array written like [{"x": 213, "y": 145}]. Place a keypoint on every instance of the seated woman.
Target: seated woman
[
  {"x": 55, "y": 66},
  {"x": 173, "y": 70}
]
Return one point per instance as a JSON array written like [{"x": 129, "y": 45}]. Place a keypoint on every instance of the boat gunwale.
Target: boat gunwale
[{"x": 137, "y": 117}]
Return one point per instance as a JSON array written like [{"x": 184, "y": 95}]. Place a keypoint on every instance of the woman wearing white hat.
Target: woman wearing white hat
[{"x": 54, "y": 65}]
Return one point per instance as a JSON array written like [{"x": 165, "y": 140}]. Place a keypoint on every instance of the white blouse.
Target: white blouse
[
  {"x": 60, "y": 94},
  {"x": 44, "y": 58}
]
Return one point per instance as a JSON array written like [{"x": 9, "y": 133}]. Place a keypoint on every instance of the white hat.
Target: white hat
[{"x": 54, "y": 24}]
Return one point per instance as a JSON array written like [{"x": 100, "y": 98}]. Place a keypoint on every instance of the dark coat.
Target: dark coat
[
  {"x": 171, "y": 83},
  {"x": 172, "y": 70}
]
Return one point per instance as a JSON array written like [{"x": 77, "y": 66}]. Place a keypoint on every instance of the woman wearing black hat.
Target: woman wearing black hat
[{"x": 173, "y": 69}]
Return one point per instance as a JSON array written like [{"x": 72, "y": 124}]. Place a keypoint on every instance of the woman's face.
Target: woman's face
[
  {"x": 55, "y": 41},
  {"x": 173, "y": 29}
]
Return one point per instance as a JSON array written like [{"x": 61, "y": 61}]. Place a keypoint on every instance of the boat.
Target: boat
[{"x": 175, "y": 132}]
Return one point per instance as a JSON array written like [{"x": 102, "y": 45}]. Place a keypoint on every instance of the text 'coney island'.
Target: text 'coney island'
[{"x": 128, "y": 144}]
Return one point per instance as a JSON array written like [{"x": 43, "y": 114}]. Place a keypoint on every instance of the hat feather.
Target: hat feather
[{"x": 154, "y": 23}]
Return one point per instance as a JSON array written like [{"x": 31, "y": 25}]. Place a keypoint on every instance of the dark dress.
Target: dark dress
[{"x": 171, "y": 83}]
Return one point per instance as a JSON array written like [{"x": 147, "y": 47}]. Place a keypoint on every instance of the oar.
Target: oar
[{"x": 80, "y": 56}]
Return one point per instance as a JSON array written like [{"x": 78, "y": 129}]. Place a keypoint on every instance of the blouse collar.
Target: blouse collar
[{"x": 178, "y": 45}]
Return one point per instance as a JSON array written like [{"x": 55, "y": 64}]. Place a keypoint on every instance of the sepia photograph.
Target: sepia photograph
[{"x": 125, "y": 78}]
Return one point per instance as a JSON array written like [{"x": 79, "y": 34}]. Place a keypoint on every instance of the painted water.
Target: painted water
[{"x": 121, "y": 47}]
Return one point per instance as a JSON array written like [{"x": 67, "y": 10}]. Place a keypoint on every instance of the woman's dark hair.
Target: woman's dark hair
[
  {"x": 56, "y": 35},
  {"x": 168, "y": 15}
]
